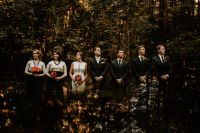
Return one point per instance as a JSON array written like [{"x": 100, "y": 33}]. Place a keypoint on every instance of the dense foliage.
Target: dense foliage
[
  {"x": 72, "y": 25},
  {"x": 81, "y": 24}
]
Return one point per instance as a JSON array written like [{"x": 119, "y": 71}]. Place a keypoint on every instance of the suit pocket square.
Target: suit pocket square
[{"x": 103, "y": 62}]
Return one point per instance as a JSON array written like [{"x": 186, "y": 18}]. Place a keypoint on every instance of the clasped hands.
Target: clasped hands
[
  {"x": 119, "y": 81},
  {"x": 98, "y": 79},
  {"x": 142, "y": 79},
  {"x": 164, "y": 77}
]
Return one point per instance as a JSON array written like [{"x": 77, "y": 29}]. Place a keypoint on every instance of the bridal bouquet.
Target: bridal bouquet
[{"x": 78, "y": 79}]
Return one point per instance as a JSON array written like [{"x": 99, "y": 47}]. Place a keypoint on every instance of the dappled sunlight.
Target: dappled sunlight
[{"x": 85, "y": 4}]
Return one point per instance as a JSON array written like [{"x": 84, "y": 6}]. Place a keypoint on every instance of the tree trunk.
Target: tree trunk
[
  {"x": 198, "y": 8},
  {"x": 162, "y": 18}
]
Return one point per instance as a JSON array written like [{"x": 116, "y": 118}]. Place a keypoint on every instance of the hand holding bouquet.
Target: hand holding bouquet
[
  {"x": 78, "y": 79},
  {"x": 53, "y": 74},
  {"x": 35, "y": 70}
]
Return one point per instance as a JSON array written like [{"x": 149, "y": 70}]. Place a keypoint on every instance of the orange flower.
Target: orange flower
[{"x": 35, "y": 69}]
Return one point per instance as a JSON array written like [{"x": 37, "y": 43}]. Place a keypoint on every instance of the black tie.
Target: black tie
[
  {"x": 119, "y": 62},
  {"x": 163, "y": 60},
  {"x": 142, "y": 59}
]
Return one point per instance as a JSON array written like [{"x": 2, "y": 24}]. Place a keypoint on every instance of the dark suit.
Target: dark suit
[
  {"x": 119, "y": 71},
  {"x": 97, "y": 69},
  {"x": 140, "y": 68},
  {"x": 161, "y": 68}
]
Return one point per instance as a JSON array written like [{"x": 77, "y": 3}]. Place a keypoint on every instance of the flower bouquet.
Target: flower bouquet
[
  {"x": 35, "y": 70},
  {"x": 78, "y": 79},
  {"x": 53, "y": 74}
]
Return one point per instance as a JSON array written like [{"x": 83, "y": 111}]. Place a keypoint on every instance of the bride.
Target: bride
[{"x": 78, "y": 74}]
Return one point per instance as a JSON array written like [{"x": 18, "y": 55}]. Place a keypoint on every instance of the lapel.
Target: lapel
[
  {"x": 100, "y": 60},
  {"x": 141, "y": 62},
  {"x": 115, "y": 63},
  {"x": 138, "y": 60},
  {"x": 159, "y": 60},
  {"x": 95, "y": 61},
  {"x": 120, "y": 65}
]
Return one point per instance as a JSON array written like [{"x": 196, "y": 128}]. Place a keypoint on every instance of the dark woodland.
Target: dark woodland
[{"x": 73, "y": 25}]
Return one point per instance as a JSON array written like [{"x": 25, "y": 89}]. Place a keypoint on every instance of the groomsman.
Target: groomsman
[
  {"x": 97, "y": 67},
  {"x": 161, "y": 65},
  {"x": 98, "y": 71},
  {"x": 119, "y": 71},
  {"x": 163, "y": 71},
  {"x": 141, "y": 66}
]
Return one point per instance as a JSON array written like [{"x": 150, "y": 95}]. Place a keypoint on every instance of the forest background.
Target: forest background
[{"x": 72, "y": 25}]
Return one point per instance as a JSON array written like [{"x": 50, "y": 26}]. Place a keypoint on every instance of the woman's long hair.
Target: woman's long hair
[
  {"x": 81, "y": 54},
  {"x": 59, "y": 54},
  {"x": 39, "y": 54}
]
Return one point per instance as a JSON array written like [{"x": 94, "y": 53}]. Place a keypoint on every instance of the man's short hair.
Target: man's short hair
[
  {"x": 140, "y": 46},
  {"x": 120, "y": 49},
  {"x": 159, "y": 46},
  {"x": 96, "y": 47}
]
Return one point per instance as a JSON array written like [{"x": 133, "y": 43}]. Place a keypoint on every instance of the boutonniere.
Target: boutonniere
[
  {"x": 102, "y": 61},
  {"x": 166, "y": 58},
  {"x": 144, "y": 58}
]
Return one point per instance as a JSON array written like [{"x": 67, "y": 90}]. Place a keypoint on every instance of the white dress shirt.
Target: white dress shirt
[{"x": 97, "y": 59}]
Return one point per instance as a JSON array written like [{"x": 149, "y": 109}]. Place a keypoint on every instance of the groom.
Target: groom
[{"x": 97, "y": 67}]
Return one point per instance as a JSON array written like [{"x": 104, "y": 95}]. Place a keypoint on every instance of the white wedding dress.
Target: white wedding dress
[{"x": 79, "y": 68}]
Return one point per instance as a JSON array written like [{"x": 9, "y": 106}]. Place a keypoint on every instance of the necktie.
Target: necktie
[
  {"x": 163, "y": 60},
  {"x": 141, "y": 59},
  {"x": 119, "y": 62}
]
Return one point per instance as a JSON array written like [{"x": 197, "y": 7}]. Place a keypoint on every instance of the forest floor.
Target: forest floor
[{"x": 141, "y": 110}]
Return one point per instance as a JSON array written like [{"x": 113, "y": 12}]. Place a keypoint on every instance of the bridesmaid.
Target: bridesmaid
[
  {"x": 56, "y": 71},
  {"x": 35, "y": 67},
  {"x": 78, "y": 74},
  {"x": 35, "y": 71}
]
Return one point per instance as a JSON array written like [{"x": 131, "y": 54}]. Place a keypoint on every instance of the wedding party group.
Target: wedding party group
[{"x": 98, "y": 69}]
